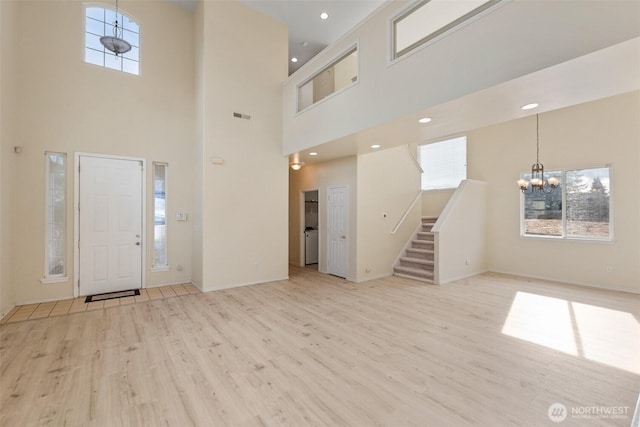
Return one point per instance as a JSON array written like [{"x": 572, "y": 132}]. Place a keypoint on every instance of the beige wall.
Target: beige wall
[
  {"x": 244, "y": 201},
  {"x": 66, "y": 105},
  {"x": 461, "y": 234},
  {"x": 587, "y": 135},
  {"x": 472, "y": 58},
  {"x": 8, "y": 121},
  {"x": 434, "y": 201},
  {"x": 321, "y": 176},
  {"x": 199, "y": 103},
  {"x": 388, "y": 183}
]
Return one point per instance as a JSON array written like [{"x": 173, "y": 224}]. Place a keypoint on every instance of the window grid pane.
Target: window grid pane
[{"x": 99, "y": 22}]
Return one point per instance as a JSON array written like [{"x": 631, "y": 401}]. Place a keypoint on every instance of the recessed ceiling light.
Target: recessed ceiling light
[
  {"x": 425, "y": 120},
  {"x": 294, "y": 59},
  {"x": 375, "y": 146},
  {"x": 530, "y": 106},
  {"x": 313, "y": 153},
  {"x": 324, "y": 15}
]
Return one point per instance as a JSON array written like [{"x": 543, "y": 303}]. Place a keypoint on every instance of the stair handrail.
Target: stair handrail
[
  {"x": 406, "y": 212},
  {"x": 415, "y": 160}
]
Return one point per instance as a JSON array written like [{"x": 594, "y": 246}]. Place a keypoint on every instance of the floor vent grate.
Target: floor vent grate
[{"x": 112, "y": 295}]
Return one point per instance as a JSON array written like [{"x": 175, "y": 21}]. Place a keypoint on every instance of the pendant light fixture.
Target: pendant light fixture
[
  {"x": 116, "y": 43},
  {"x": 537, "y": 181}
]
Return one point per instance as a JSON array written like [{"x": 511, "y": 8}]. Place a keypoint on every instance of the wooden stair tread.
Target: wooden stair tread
[
  {"x": 416, "y": 260},
  {"x": 413, "y": 271},
  {"x": 420, "y": 250}
]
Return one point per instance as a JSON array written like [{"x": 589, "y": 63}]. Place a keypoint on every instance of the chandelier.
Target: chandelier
[
  {"x": 537, "y": 181},
  {"x": 116, "y": 43}
]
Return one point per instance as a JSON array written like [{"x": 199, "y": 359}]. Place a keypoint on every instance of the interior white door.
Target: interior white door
[
  {"x": 337, "y": 231},
  {"x": 110, "y": 225}
]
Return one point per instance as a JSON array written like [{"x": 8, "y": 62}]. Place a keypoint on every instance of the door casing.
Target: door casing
[
  {"x": 330, "y": 230},
  {"x": 76, "y": 216}
]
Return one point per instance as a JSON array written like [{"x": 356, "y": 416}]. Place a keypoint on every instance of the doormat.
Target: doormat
[{"x": 112, "y": 295}]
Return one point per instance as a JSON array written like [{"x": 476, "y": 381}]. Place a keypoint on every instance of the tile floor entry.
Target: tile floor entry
[{"x": 76, "y": 305}]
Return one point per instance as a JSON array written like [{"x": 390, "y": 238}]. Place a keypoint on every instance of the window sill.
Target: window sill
[
  {"x": 160, "y": 269},
  {"x": 568, "y": 239},
  {"x": 50, "y": 280}
]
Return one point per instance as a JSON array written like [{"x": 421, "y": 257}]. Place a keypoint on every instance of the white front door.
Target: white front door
[
  {"x": 110, "y": 225},
  {"x": 337, "y": 232}
]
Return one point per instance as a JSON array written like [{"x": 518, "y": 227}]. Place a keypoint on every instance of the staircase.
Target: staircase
[{"x": 417, "y": 262}]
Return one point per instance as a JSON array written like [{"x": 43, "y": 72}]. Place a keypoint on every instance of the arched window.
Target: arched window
[{"x": 99, "y": 22}]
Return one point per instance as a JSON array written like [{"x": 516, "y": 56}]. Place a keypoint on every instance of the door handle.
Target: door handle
[
  {"x": 137, "y": 243},
  {"x": 343, "y": 237}
]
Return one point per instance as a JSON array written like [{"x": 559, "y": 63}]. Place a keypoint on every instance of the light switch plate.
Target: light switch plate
[{"x": 181, "y": 216}]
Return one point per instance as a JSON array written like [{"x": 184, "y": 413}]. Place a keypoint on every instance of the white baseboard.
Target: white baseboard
[
  {"x": 7, "y": 311},
  {"x": 209, "y": 288},
  {"x": 555, "y": 279},
  {"x": 41, "y": 300},
  {"x": 464, "y": 276},
  {"x": 159, "y": 285}
]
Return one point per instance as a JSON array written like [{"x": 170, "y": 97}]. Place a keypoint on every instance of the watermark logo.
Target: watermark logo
[{"x": 557, "y": 412}]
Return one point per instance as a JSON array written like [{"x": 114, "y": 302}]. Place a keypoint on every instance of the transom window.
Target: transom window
[
  {"x": 579, "y": 208},
  {"x": 99, "y": 22},
  {"x": 431, "y": 19}
]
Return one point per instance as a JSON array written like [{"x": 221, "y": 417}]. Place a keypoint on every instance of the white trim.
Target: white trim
[
  {"x": 46, "y": 277},
  {"x": 461, "y": 277},
  {"x": 406, "y": 11},
  {"x": 347, "y": 230},
  {"x": 76, "y": 217},
  {"x": 562, "y": 281},
  {"x": 241, "y": 284},
  {"x": 162, "y": 267},
  {"x": 54, "y": 279},
  {"x": 160, "y": 285},
  {"x": 42, "y": 300},
  {"x": 355, "y": 47},
  {"x": 302, "y": 213},
  {"x": 106, "y": 6},
  {"x": 564, "y": 237},
  {"x": 406, "y": 213}
]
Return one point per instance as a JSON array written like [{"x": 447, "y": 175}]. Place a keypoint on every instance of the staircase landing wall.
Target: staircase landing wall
[{"x": 461, "y": 234}]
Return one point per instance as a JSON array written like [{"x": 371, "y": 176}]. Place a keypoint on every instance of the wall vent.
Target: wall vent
[{"x": 242, "y": 116}]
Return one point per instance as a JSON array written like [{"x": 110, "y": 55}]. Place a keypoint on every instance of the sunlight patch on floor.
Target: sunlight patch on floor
[{"x": 599, "y": 334}]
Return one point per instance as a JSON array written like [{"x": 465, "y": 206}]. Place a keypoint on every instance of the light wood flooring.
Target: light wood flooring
[{"x": 317, "y": 350}]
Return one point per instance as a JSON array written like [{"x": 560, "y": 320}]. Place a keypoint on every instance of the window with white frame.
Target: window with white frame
[
  {"x": 160, "y": 260},
  {"x": 444, "y": 163},
  {"x": 55, "y": 222},
  {"x": 579, "y": 208},
  {"x": 99, "y": 22},
  {"x": 430, "y": 19}
]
